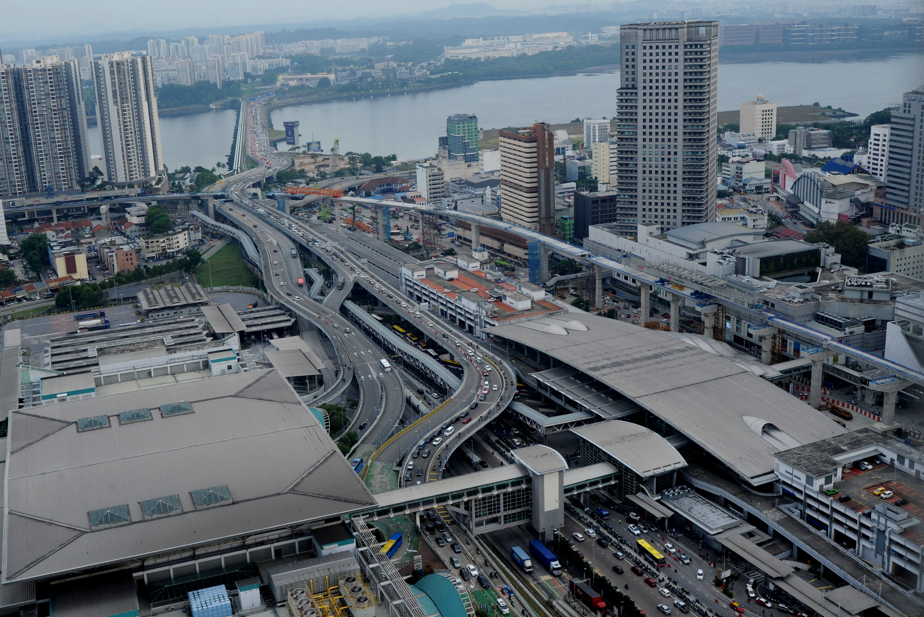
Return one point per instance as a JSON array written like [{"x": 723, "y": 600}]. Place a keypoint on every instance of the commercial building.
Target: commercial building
[
  {"x": 594, "y": 209},
  {"x": 666, "y": 123},
  {"x": 896, "y": 254},
  {"x": 126, "y": 108},
  {"x": 119, "y": 258},
  {"x": 877, "y": 151},
  {"x": 70, "y": 262},
  {"x": 603, "y": 166},
  {"x": 489, "y": 160},
  {"x": 737, "y": 171},
  {"x": 528, "y": 177},
  {"x": 431, "y": 183},
  {"x": 759, "y": 117},
  {"x": 170, "y": 301},
  {"x": 462, "y": 137},
  {"x": 809, "y": 138},
  {"x": 596, "y": 130},
  {"x": 831, "y": 198},
  {"x": 754, "y": 218},
  {"x": 4, "y": 237},
  {"x": 165, "y": 246},
  {"x": 43, "y": 128},
  {"x": 905, "y": 178}
]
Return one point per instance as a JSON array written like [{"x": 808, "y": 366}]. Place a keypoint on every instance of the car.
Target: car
[
  {"x": 865, "y": 466},
  {"x": 578, "y": 536},
  {"x": 440, "y": 542},
  {"x": 830, "y": 492},
  {"x": 684, "y": 559},
  {"x": 618, "y": 554},
  {"x": 785, "y": 608},
  {"x": 699, "y": 574},
  {"x": 590, "y": 533},
  {"x": 410, "y": 464},
  {"x": 483, "y": 581},
  {"x": 664, "y": 592},
  {"x": 426, "y": 453},
  {"x": 415, "y": 454},
  {"x": 764, "y": 602},
  {"x": 879, "y": 491},
  {"x": 637, "y": 570},
  {"x": 844, "y": 498},
  {"x": 456, "y": 548},
  {"x": 603, "y": 543},
  {"x": 664, "y": 608},
  {"x": 465, "y": 574},
  {"x": 447, "y": 536},
  {"x": 494, "y": 387},
  {"x": 437, "y": 441},
  {"x": 288, "y": 294},
  {"x": 634, "y": 517},
  {"x": 618, "y": 569},
  {"x": 886, "y": 495},
  {"x": 419, "y": 472},
  {"x": 901, "y": 502},
  {"x": 736, "y": 607},
  {"x": 651, "y": 582},
  {"x": 472, "y": 570},
  {"x": 449, "y": 431},
  {"x": 634, "y": 530},
  {"x": 682, "y": 606},
  {"x": 669, "y": 548},
  {"x": 751, "y": 593},
  {"x": 467, "y": 420},
  {"x": 455, "y": 561}
]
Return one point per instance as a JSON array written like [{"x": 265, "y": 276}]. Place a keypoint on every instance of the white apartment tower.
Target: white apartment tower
[
  {"x": 431, "y": 182},
  {"x": 528, "y": 177},
  {"x": 127, "y": 111},
  {"x": 877, "y": 160},
  {"x": 43, "y": 128},
  {"x": 595, "y": 130},
  {"x": 666, "y": 125},
  {"x": 759, "y": 117}
]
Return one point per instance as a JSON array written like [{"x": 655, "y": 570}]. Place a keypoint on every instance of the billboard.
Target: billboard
[
  {"x": 314, "y": 146},
  {"x": 291, "y": 133}
]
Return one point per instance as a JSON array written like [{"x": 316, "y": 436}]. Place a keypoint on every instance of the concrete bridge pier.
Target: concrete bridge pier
[
  {"x": 476, "y": 236},
  {"x": 708, "y": 312},
  {"x": 890, "y": 387},
  {"x": 817, "y": 355},
  {"x": 598, "y": 287},
  {"x": 645, "y": 298},
  {"x": 676, "y": 301}
]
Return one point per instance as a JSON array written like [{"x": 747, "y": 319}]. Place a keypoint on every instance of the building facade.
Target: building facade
[
  {"x": 593, "y": 209},
  {"x": 666, "y": 123},
  {"x": 603, "y": 164},
  {"x": 595, "y": 131},
  {"x": 43, "y": 128},
  {"x": 121, "y": 259},
  {"x": 165, "y": 245},
  {"x": 759, "y": 117},
  {"x": 877, "y": 157},
  {"x": 808, "y": 138},
  {"x": 528, "y": 177},
  {"x": 431, "y": 182},
  {"x": 489, "y": 160},
  {"x": 462, "y": 137},
  {"x": 905, "y": 179},
  {"x": 126, "y": 108}
]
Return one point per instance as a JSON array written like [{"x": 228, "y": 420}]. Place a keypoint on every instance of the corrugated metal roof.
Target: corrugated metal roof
[
  {"x": 231, "y": 315},
  {"x": 248, "y": 432},
  {"x": 540, "y": 459},
  {"x": 291, "y": 363},
  {"x": 443, "y": 594},
  {"x": 217, "y": 320},
  {"x": 9, "y": 380},
  {"x": 110, "y": 594},
  {"x": 641, "y": 449}
]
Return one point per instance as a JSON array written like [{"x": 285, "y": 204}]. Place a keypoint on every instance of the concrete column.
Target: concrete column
[
  {"x": 337, "y": 214},
  {"x": 598, "y": 287},
  {"x": 766, "y": 347},
  {"x": 890, "y": 388},
  {"x": 708, "y": 313},
  {"x": 675, "y": 312},
  {"x": 476, "y": 236},
  {"x": 645, "y": 296},
  {"x": 817, "y": 372},
  {"x": 54, "y": 215},
  {"x": 543, "y": 263}
]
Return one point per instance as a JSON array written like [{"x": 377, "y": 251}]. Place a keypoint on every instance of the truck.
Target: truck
[
  {"x": 339, "y": 284},
  {"x": 301, "y": 282},
  {"x": 544, "y": 556},
  {"x": 294, "y": 253},
  {"x": 519, "y": 556},
  {"x": 473, "y": 458},
  {"x": 86, "y": 316},
  {"x": 586, "y": 594},
  {"x": 93, "y": 324}
]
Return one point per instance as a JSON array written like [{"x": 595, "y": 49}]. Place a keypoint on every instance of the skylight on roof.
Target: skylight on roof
[
  {"x": 209, "y": 497},
  {"x": 162, "y": 506},
  {"x": 176, "y": 409},
  {"x": 92, "y": 423},
  {"x": 135, "y": 415},
  {"x": 109, "y": 517}
]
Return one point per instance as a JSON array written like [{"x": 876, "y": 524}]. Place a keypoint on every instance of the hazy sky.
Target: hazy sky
[{"x": 28, "y": 19}]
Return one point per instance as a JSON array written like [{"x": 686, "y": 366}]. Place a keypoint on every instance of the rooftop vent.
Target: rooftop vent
[
  {"x": 92, "y": 423},
  {"x": 176, "y": 409},
  {"x": 136, "y": 415}
]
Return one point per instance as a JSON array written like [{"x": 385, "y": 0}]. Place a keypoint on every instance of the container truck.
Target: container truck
[
  {"x": 301, "y": 281},
  {"x": 520, "y": 557},
  {"x": 544, "y": 556},
  {"x": 586, "y": 594},
  {"x": 473, "y": 458},
  {"x": 86, "y": 316},
  {"x": 93, "y": 324}
]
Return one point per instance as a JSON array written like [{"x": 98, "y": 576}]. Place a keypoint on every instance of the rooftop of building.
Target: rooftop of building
[
  {"x": 638, "y": 448},
  {"x": 741, "y": 419},
  {"x": 832, "y": 284},
  {"x": 827, "y": 456},
  {"x": 106, "y": 480},
  {"x": 771, "y": 248},
  {"x": 172, "y": 297},
  {"x": 703, "y": 233},
  {"x": 540, "y": 459}
]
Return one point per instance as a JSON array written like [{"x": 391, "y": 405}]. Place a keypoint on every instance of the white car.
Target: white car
[
  {"x": 502, "y": 606},
  {"x": 577, "y": 535},
  {"x": 472, "y": 570},
  {"x": 886, "y": 495},
  {"x": 664, "y": 608},
  {"x": 634, "y": 530},
  {"x": 590, "y": 533},
  {"x": 449, "y": 431},
  {"x": 664, "y": 592},
  {"x": 437, "y": 441},
  {"x": 669, "y": 548},
  {"x": 699, "y": 575},
  {"x": 410, "y": 464}
]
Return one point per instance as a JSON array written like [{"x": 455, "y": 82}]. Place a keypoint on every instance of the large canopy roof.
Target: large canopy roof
[{"x": 638, "y": 448}]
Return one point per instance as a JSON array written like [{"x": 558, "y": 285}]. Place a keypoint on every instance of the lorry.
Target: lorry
[
  {"x": 339, "y": 284},
  {"x": 519, "y": 556},
  {"x": 473, "y": 458},
  {"x": 544, "y": 556},
  {"x": 586, "y": 594},
  {"x": 93, "y": 324}
]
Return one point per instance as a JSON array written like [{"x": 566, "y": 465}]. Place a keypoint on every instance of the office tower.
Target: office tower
[
  {"x": 804, "y": 138},
  {"x": 528, "y": 177},
  {"x": 758, "y": 117},
  {"x": 43, "y": 128},
  {"x": 595, "y": 131},
  {"x": 462, "y": 136},
  {"x": 905, "y": 175},
  {"x": 126, "y": 109},
  {"x": 431, "y": 182},
  {"x": 666, "y": 124},
  {"x": 877, "y": 159}
]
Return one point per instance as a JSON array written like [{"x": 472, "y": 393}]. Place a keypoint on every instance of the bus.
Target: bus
[
  {"x": 649, "y": 551},
  {"x": 376, "y": 317},
  {"x": 392, "y": 545},
  {"x": 432, "y": 354},
  {"x": 357, "y": 465},
  {"x": 399, "y": 329},
  {"x": 452, "y": 363},
  {"x": 386, "y": 366}
]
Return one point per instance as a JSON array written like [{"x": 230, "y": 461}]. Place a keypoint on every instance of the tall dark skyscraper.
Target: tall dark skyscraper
[
  {"x": 43, "y": 128},
  {"x": 666, "y": 124},
  {"x": 905, "y": 169}
]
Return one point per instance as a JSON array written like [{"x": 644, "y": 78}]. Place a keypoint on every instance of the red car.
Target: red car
[
  {"x": 736, "y": 607},
  {"x": 651, "y": 582},
  {"x": 467, "y": 420}
]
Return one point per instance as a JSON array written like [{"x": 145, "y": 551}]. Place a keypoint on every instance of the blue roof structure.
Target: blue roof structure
[
  {"x": 443, "y": 594},
  {"x": 839, "y": 165}
]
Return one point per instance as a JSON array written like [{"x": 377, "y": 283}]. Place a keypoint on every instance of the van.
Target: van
[{"x": 502, "y": 607}]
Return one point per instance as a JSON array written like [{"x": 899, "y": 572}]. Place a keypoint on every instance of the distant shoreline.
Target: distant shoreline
[{"x": 815, "y": 55}]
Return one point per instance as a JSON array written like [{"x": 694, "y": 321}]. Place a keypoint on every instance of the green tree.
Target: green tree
[
  {"x": 200, "y": 93},
  {"x": 566, "y": 266},
  {"x": 158, "y": 221},
  {"x": 449, "y": 252},
  {"x": 347, "y": 442},
  {"x": 774, "y": 219},
  {"x": 846, "y": 239},
  {"x": 193, "y": 259},
  {"x": 324, "y": 82},
  {"x": 7, "y": 278},
  {"x": 581, "y": 303},
  {"x": 34, "y": 251},
  {"x": 204, "y": 178}
]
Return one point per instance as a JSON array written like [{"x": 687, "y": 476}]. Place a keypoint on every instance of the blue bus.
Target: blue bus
[
  {"x": 602, "y": 513},
  {"x": 357, "y": 465},
  {"x": 392, "y": 545}
]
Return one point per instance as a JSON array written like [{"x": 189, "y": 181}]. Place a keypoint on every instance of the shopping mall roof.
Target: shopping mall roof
[
  {"x": 115, "y": 478},
  {"x": 741, "y": 419},
  {"x": 638, "y": 448}
]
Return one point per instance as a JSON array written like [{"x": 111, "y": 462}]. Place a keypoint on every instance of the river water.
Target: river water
[{"x": 410, "y": 125}]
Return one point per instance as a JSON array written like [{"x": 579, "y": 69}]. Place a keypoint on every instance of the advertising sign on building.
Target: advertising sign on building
[
  {"x": 291, "y": 133},
  {"x": 314, "y": 146}
]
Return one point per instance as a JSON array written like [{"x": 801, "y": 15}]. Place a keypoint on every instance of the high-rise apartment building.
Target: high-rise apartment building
[
  {"x": 4, "y": 237},
  {"x": 877, "y": 159},
  {"x": 759, "y": 117},
  {"x": 43, "y": 128},
  {"x": 603, "y": 166},
  {"x": 462, "y": 137},
  {"x": 595, "y": 131},
  {"x": 431, "y": 182},
  {"x": 126, "y": 109},
  {"x": 666, "y": 124},
  {"x": 528, "y": 177},
  {"x": 157, "y": 48},
  {"x": 905, "y": 175}
]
